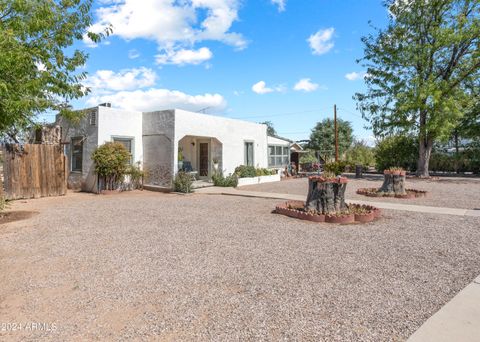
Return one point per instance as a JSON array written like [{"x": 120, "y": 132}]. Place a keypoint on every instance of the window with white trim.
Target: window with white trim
[
  {"x": 278, "y": 156},
  {"x": 249, "y": 160}
]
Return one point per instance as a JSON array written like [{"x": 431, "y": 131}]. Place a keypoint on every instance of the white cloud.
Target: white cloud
[
  {"x": 159, "y": 99},
  {"x": 172, "y": 24},
  {"x": 306, "y": 85},
  {"x": 321, "y": 41},
  {"x": 353, "y": 76},
  {"x": 184, "y": 56},
  {"x": 261, "y": 88},
  {"x": 126, "y": 79},
  {"x": 133, "y": 53},
  {"x": 280, "y": 4}
]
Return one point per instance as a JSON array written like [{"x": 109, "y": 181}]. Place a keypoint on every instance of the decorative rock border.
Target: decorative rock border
[
  {"x": 374, "y": 192},
  {"x": 295, "y": 209}
]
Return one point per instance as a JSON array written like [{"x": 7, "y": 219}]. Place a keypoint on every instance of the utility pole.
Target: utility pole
[{"x": 336, "y": 131}]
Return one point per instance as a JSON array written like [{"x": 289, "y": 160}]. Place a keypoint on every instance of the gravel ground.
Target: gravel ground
[
  {"x": 169, "y": 267},
  {"x": 449, "y": 192}
]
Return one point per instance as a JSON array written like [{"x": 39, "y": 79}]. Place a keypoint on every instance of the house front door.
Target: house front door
[{"x": 203, "y": 169}]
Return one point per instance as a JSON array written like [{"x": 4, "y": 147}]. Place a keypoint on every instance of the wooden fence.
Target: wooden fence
[{"x": 33, "y": 171}]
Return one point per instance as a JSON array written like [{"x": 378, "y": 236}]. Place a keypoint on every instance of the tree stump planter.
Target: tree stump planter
[
  {"x": 340, "y": 219},
  {"x": 393, "y": 183},
  {"x": 296, "y": 209},
  {"x": 326, "y": 196},
  {"x": 393, "y": 186},
  {"x": 326, "y": 203}
]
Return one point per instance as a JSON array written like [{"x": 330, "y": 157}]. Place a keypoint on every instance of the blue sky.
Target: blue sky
[{"x": 242, "y": 59}]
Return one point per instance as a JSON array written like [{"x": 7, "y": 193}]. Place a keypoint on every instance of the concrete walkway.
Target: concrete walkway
[
  {"x": 458, "y": 320},
  {"x": 382, "y": 205}
]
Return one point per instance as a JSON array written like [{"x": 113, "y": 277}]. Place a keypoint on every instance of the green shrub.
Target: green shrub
[
  {"x": 308, "y": 157},
  {"x": 397, "y": 150},
  {"x": 229, "y": 181},
  {"x": 336, "y": 167},
  {"x": 111, "y": 162},
  {"x": 136, "y": 175},
  {"x": 265, "y": 172},
  {"x": 465, "y": 161},
  {"x": 183, "y": 182},
  {"x": 360, "y": 154},
  {"x": 244, "y": 171}
]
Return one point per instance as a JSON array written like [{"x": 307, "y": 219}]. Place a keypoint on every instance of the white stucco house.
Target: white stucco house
[{"x": 154, "y": 139}]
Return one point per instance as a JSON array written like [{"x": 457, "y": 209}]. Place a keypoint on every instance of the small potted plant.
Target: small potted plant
[{"x": 180, "y": 158}]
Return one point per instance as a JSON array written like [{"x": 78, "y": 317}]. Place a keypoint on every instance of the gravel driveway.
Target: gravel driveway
[
  {"x": 169, "y": 267},
  {"x": 448, "y": 192}
]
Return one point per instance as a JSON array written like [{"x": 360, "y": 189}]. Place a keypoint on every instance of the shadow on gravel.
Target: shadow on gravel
[{"x": 12, "y": 216}]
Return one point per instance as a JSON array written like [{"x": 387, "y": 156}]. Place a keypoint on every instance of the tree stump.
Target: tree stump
[
  {"x": 393, "y": 183},
  {"x": 326, "y": 196}
]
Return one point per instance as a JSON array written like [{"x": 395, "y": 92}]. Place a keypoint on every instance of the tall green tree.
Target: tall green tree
[
  {"x": 360, "y": 153},
  {"x": 270, "y": 128},
  {"x": 419, "y": 69},
  {"x": 38, "y": 67},
  {"x": 322, "y": 138}
]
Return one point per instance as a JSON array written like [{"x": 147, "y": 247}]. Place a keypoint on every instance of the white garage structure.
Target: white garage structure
[{"x": 155, "y": 138}]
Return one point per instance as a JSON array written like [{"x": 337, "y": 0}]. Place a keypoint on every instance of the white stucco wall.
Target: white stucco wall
[
  {"x": 230, "y": 132},
  {"x": 113, "y": 122},
  {"x": 156, "y": 137}
]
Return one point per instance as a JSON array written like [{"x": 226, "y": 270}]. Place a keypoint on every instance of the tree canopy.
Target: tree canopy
[
  {"x": 38, "y": 67},
  {"x": 422, "y": 71},
  {"x": 270, "y": 128},
  {"x": 360, "y": 153},
  {"x": 322, "y": 138}
]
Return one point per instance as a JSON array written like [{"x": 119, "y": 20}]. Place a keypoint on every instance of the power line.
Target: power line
[
  {"x": 349, "y": 112},
  {"x": 281, "y": 114}
]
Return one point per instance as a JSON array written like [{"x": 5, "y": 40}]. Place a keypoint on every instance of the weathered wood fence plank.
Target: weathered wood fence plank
[{"x": 33, "y": 170}]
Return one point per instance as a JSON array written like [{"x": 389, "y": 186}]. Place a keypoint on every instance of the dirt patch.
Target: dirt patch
[{"x": 12, "y": 216}]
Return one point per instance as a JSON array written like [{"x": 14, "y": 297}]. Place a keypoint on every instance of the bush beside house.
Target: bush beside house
[
  {"x": 183, "y": 182},
  {"x": 228, "y": 181},
  {"x": 244, "y": 171},
  {"x": 111, "y": 163}
]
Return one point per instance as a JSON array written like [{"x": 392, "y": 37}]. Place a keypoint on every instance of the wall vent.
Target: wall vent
[{"x": 93, "y": 117}]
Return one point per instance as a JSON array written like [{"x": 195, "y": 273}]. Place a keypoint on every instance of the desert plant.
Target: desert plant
[
  {"x": 228, "y": 181},
  {"x": 336, "y": 167},
  {"x": 264, "y": 172},
  {"x": 329, "y": 175},
  {"x": 244, "y": 171},
  {"x": 111, "y": 163},
  {"x": 183, "y": 182},
  {"x": 136, "y": 175}
]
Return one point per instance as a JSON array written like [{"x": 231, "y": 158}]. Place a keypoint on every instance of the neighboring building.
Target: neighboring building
[{"x": 154, "y": 139}]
